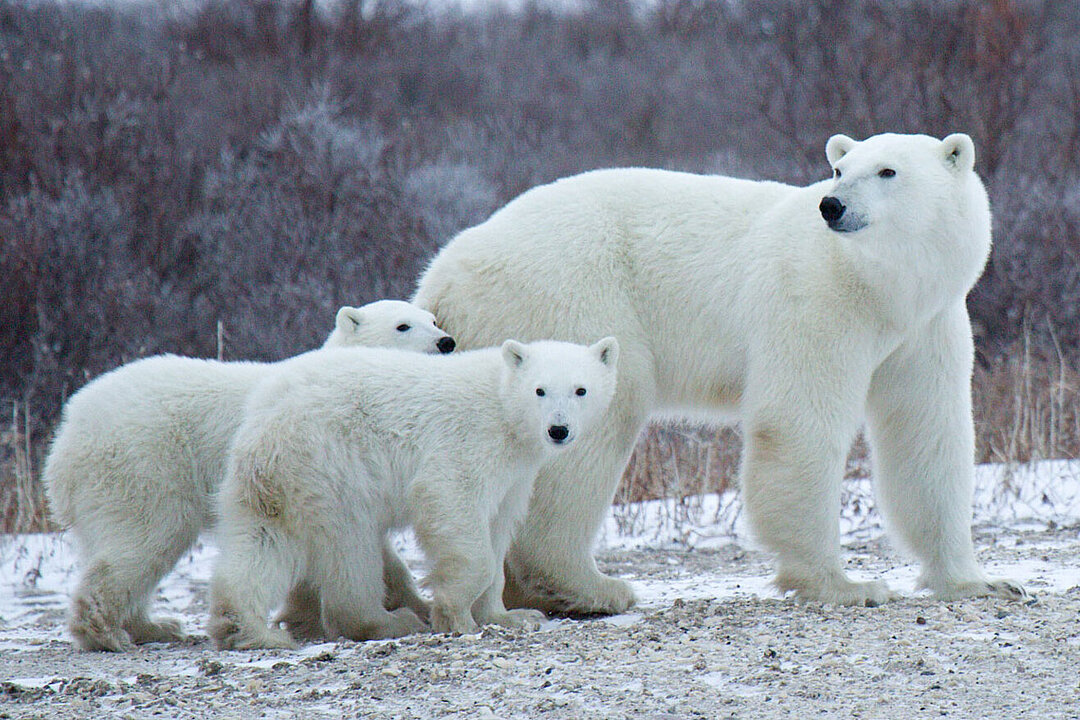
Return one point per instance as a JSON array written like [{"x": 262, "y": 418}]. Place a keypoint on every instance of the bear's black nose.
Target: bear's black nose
[
  {"x": 558, "y": 433},
  {"x": 446, "y": 344},
  {"x": 831, "y": 209}
]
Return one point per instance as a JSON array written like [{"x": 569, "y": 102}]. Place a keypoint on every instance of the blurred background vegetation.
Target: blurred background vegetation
[{"x": 216, "y": 177}]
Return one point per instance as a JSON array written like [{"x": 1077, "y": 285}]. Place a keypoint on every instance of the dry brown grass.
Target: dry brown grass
[
  {"x": 1026, "y": 407},
  {"x": 22, "y": 497}
]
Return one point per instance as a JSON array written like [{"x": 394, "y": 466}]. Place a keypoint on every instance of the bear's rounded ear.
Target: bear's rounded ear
[
  {"x": 959, "y": 152},
  {"x": 513, "y": 353},
  {"x": 349, "y": 319},
  {"x": 837, "y": 147},
  {"x": 606, "y": 351}
]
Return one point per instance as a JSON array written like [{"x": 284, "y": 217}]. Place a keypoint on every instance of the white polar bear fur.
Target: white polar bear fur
[
  {"x": 139, "y": 454},
  {"x": 342, "y": 445},
  {"x": 735, "y": 296}
]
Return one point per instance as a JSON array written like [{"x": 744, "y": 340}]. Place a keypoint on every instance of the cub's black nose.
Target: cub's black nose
[
  {"x": 831, "y": 209},
  {"x": 446, "y": 344},
  {"x": 558, "y": 433}
]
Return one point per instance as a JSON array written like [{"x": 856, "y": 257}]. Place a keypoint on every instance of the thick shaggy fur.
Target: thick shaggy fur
[
  {"x": 139, "y": 454},
  {"x": 731, "y": 296},
  {"x": 340, "y": 446}
]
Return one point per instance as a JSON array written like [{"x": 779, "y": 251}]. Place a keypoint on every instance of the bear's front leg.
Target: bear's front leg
[
  {"x": 923, "y": 439},
  {"x": 800, "y": 413}
]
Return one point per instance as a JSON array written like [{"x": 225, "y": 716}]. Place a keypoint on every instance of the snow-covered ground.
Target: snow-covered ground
[{"x": 708, "y": 638}]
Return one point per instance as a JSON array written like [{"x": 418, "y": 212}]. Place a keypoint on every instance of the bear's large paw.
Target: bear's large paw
[
  {"x": 1007, "y": 589},
  {"x": 835, "y": 589}
]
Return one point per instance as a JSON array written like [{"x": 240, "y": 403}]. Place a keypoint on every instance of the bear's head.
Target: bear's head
[
  {"x": 556, "y": 391},
  {"x": 389, "y": 323},
  {"x": 898, "y": 181}
]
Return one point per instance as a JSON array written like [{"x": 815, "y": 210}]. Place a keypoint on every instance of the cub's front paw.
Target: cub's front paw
[
  {"x": 454, "y": 621},
  {"x": 519, "y": 619}
]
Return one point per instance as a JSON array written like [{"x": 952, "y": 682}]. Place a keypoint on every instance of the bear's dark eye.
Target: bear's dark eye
[
  {"x": 887, "y": 173},
  {"x": 540, "y": 392},
  {"x": 402, "y": 327},
  {"x": 836, "y": 173},
  {"x": 580, "y": 392}
]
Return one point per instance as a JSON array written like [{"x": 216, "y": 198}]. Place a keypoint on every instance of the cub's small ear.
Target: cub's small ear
[
  {"x": 959, "y": 152},
  {"x": 606, "y": 351},
  {"x": 837, "y": 147},
  {"x": 513, "y": 353},
  {"x": 349, "y": 319}
]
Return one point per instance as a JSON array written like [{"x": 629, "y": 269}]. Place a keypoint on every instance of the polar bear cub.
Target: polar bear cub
[
  {"x": 139, "y": 454},
  {"x": 340, "y": 446}
]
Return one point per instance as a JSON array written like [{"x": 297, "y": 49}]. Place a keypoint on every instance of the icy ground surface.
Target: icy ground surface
[{"x": 709, "y": 637}]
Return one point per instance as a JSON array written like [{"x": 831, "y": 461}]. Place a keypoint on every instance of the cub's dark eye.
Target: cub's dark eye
[
  {"x": 836, "y": 173},
  {"x": 540, "y": 392},
  {"x": 403, "y": 327},
  {"x": 580, "y": 392},
  {"x": 887, "y": 173}
]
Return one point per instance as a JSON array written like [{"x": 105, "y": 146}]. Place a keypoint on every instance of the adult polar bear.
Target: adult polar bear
[{"x": 804, "y": 309}]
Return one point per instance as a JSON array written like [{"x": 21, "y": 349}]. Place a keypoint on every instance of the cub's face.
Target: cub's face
[
  {"x": 559, "y": 391},
  {"x": 894, "y": 180},
  {"x": 392, "y": 324}
]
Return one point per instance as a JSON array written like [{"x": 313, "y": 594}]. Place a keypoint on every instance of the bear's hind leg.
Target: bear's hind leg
[
  {"x": 255, "y": 569},
  {"x": 302, "y": 614},
  {"x": 352, "y": 592},
  {"x": 401, "y": 590},
  {"x": 99, "y": 609},
  {"x": 109, "y": 610},
  {"x": 128, "y": 544}
]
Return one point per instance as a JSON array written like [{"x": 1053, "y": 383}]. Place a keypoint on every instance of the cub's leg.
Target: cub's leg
[
  {"x": 457, "y": 542},
  {"x": 401, "y": 590},
  {"x": 257, "y": 565},
  {"x": 110, "y": 606},
  {"x": 302, "y": 615},
  {"x": 352, "y": 591},
  {"x": 489, "y": 608}
]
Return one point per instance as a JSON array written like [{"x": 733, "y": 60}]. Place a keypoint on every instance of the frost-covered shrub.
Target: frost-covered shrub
[{"x": 449, "y": 197}]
